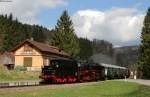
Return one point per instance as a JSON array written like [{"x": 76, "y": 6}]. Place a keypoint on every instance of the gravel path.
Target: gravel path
[{"x": 140, "y": 81}]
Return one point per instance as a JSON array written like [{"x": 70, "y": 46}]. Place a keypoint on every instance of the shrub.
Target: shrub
[{"x": 20, "y": 68}]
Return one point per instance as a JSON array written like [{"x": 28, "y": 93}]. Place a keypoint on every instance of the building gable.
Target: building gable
[{"x": 27, "y": 49}]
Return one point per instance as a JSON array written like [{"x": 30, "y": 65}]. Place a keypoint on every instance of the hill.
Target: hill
[{"x": 126, "y": 56}]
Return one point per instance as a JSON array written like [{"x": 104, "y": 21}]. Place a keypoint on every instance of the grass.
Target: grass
[
  {"x": 13, "y": 75},
  {"x": 100, "y": 89}
]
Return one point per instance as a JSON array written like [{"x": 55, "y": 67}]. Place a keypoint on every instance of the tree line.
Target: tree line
[{"x": 12, "y": 32}]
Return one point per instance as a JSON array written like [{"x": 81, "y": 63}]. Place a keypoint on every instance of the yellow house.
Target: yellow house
[{"x": 34, "y": 55}]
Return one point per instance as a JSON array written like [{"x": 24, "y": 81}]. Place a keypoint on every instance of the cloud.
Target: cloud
[
  {"x": 27, "y": 10},
  {"x": 121, "y": 26}
]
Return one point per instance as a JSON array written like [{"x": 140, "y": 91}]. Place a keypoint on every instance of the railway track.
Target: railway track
[{"x": 19, "y": 84}]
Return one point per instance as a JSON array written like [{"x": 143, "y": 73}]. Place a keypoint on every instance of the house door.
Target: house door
[{"x": 28, "y": 61}]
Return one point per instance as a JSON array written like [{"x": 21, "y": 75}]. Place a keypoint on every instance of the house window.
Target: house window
[
  {"x": 27, "y": 48},
  {"x": 28, "y": 61}
]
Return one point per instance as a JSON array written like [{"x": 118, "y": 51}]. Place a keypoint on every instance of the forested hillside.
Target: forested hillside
[
  {"x": 102, "y": 46},
  {"x": 126, "y": 56},
  {"x": 12, "y": 32}
]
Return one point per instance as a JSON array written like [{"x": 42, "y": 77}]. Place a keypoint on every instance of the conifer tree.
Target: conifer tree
[
  {"x": 144, "y": 59},
  {"x": 65, "y": 37},
  {"x": 86, "y": 47}
]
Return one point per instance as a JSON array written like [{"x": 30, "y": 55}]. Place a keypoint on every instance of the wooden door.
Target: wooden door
[{"x": 28, "y": 61}]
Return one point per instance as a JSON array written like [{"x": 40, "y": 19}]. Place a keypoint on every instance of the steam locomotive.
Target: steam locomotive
[{"x": 71, "y": 71}]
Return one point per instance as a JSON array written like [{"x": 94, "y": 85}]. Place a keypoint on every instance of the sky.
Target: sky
[{"x": 117, "y": 21}]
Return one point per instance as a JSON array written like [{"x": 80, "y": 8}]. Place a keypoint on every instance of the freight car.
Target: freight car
[{"x": 70, "y": 71}]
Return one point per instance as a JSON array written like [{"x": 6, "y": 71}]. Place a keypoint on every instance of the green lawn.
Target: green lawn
[{"x": 100, "y": 89}]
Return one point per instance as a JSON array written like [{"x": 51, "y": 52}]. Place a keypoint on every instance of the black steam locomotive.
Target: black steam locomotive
[{"x": 70, "y": 71}]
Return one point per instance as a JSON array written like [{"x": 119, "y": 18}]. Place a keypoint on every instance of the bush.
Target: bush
[{"x": 20, "y": 68}]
